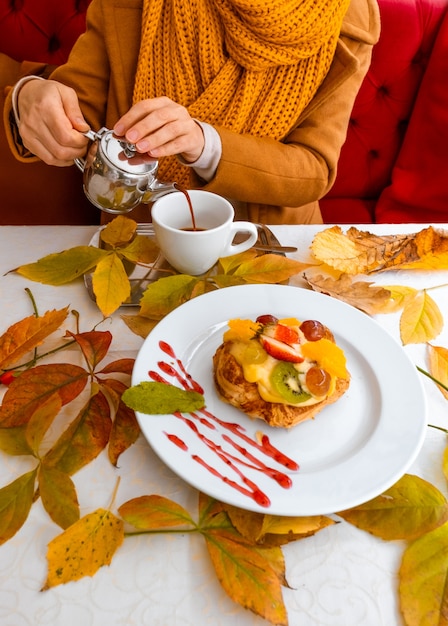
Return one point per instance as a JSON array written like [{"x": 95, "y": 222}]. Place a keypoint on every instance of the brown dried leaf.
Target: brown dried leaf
[
  {"x": 83, "y": 548},
  {"x": 438, "y": 366},
  {"x": 421, "y": 320},
  {"x": 361, "y": 252},
  {"x": 27, "y": 334},
  {"x": 94, "y": 345},
  {"x": 360, "y": 294},
  {"x": 125, "y": 428}
]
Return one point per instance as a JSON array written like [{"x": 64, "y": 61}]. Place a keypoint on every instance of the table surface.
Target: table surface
[{"x": 340, "y": 577}]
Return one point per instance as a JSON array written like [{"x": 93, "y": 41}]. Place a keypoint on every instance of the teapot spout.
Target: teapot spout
[{"x": 156, "y": 190}]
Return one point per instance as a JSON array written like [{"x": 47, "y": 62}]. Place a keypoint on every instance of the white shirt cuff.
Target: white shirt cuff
[
  {"x": 207, "y": 164},
  {"x": 15, "y": 94}
]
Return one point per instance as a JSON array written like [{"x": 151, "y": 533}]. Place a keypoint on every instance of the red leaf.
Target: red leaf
[{"x": 94, "y": 345}]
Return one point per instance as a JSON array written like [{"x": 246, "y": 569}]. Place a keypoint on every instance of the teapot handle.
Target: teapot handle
[{"x": 93, "y": 136}]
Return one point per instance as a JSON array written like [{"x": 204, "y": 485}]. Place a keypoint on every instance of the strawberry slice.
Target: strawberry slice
[
  {"x": 286, "y": 334},
  {"x": 280, "y": 350}
]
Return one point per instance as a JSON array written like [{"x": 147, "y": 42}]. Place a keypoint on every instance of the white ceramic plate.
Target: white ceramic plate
[{"x": 351, "y": 452}]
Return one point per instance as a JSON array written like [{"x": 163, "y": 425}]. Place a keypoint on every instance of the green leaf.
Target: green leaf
[
  {"x": 13, "y": 441},
  {"x": 412, "y": 507},
  {"x": 155, "y": 398},
  {"x": 15, "y": 503},
  {"x": 58, "y": 495},
  {"x": 166, "y": 294},
  {"x": 423, "y": 577},
  {"x": 155, "y": 512},
  {"x": 63, "y": 267}
]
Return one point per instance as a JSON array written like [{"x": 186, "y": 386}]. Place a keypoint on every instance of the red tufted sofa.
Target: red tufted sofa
[
  {"x": 34, "y": 33},
  {"x": 393, "y": 164}
]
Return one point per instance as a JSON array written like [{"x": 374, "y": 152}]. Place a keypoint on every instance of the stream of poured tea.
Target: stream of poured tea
[{"x": 190, "y": 206}]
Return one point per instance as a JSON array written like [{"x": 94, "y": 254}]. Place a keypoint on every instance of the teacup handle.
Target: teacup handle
[{"x": 241, "y": 227}]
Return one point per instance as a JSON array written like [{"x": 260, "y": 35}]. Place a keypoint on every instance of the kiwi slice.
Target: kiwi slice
[{"x": 285, "y": 380}]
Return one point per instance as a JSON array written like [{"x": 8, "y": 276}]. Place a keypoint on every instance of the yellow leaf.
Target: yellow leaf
[
  {"x": 141, "y": 250},
  {"x": 445, "y": 464},
  {"x": 438, "y": 366},
  {"x": 166, "y": 294},
  {"x": 139, "y": 324},
  {"x": 110, "y": 284},
  {"x": 423, "y": 577},
  {"x": 400, "y": 294},
  {"x": 83, "y": 548},
  {"x": 409, "y": 509},
  {"x": 360, "y": 294},
  {"x": 269, "y": 268},
  {"x": 421, "y": 320},
  {"x": 63, "y": 267},
  {"x": 40, "y": 421},
  {"x": 332, "y": 247},
  {"x": 27, "y": 334},
  {"x": 118, "y": 232}
]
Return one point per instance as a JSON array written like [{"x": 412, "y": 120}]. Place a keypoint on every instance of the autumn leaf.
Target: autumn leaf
[
  {"x": 164, "y": 295},
  {"x": 141, "y": 250},
  {"x": 13, "y": 441},
  {"x": 409, "y": 509},
  {"x": 400, "y": 294},
  {"x": 40, "y": 421},
  {"x": 273, "y": 529},
  {"x": 125, "y": 428},
  {"x": 110, "y": 284},
  {"x": 438, "y": 366},
  {"x": 139, "y": 324},
  {"x": 250, "y": 575},
  {"x": 422, "y": 579},
  {"x": 63, "y": 267},
  {"x": 445, "y": 464},
  {"x": 94, "y": 345},
  {"x": 361, "y": 252},
  {"x": 27, "y": 334},
  {"x": 85, "y": 437},
  {"x": 15, "y": 503},
  {"x": 269, "y": 268},
  {"x": 58, "y": 495},
  {"x": 34, "y": 386},
  {"x": 363, "y": 295},
  {"x": 154, "y": 513},
  {"x": 228, "y": 264},
  {"x": 118, "y": 232},
  {"x": 120, "y": 366},
  {"x": 421, "y": 319},
  {"x": 83, "y": 548}
]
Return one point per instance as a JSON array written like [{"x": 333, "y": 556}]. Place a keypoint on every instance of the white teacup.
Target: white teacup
[{"x": 194, "y": 252}]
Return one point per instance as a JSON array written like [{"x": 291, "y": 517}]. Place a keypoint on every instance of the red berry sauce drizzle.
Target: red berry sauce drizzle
[{"x": 206, "y": 419}]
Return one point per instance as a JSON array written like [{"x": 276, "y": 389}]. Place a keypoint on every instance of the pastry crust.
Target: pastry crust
[{"x": 237, "y": 391}]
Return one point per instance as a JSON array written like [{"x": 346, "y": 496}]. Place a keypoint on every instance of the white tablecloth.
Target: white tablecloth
[{"x": 340, "y": 577}]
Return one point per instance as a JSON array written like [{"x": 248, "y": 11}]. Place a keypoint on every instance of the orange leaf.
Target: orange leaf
[
  {"x": 155, "y": 512},
  {"x": 125, "y": 428},
  {"x": 83, "y": 548},
  {"x": 120, "y": 366},
  {"x": 438, "y": 366},
  {"x": 94, "y": 345},
  {"x": 15, "y": 503},
  {"x": 34, "y": 386},
  {"x": 58, "y": 495},
  {"x": 84, "y": 438},
  {"x": 27, "y": 334}
]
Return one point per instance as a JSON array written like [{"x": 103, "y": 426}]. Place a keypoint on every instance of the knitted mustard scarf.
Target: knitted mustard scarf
[{"x": 250, "y": 66}]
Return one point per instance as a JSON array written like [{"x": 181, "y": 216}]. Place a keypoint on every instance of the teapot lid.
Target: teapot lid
[{"x": 123, "y": 155}]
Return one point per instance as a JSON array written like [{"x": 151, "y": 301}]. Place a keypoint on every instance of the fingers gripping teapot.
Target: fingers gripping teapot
[{"x": 116, "y": 178}]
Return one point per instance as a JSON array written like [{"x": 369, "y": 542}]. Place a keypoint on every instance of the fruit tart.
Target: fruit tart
[{"x": 283, "y": 371}]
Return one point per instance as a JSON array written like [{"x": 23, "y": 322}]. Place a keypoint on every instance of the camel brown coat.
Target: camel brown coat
[{"x": 276, "y": 182}]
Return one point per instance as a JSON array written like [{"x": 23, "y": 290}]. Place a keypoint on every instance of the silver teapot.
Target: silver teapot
[{"x": 116, "y": 178}]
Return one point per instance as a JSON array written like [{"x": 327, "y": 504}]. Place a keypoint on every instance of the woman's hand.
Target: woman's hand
[
  {"x": 51, "y": 122},
  {"x": 161, "y": 127}
]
